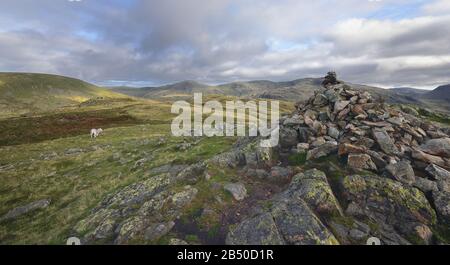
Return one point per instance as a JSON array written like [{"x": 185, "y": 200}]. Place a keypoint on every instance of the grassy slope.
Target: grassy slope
[
  {"x": 77, "y": 182},
  {"x": 24, "y": 92}
]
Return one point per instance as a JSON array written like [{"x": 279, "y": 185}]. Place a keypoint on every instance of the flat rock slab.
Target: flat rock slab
[
  {"x": 385, "y": 141},
  {"x": 16, "y": 212}
]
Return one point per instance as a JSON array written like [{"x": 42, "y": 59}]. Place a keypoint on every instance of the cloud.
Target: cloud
[
  {"x": 438, "y": 7},
  {"x": 224, "y": 40}
]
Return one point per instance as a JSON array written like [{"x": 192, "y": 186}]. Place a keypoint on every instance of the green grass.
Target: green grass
[
  {"x": 78, "y": 182},
  {"x": 35, "y": 162},
  {"x": 26, "y": 130},
  {"x": 442, "y": 233},
  {"x": 24, "y": 92},
  {"x": 434, "y": 116},
  {"x": 297, "y": 159}
]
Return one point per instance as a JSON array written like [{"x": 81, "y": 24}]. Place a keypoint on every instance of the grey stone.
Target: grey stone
[
  {"x": 320, "y": 100},
  {"x": 302, "y": 147},
  {"x": 280, "y": 174},
  {"x": 318, "y": 142},
  {"x": 333, "y": 132},
  {"x": 18, "y": 211},
  {"x": 298, "y": 225},
  {"x": 177, "y": 242},
  {"x": 388, "y": 203},
  {"x": 184, "y": 197},
  {"x": 385, "y": 141},
  {"x": 357, "y": 235},
  {"x": 441, "y": 176},
  {"x": 361, "y": 161},
  {"x": 237, "y": 190},
  {"x": 425, "y": 185},
  {"x": 442, "y": 204},
  {"x": 73, "y": 151},
  {"x": 156, "y": 231},
  {"x": 323, "y": 150},
  {"x": 401, "y": 171},
  {"x": 303, "y": 134},
  {"x": 313, "y": 187},
  {"x": 332, "y": 95},
  {"x": 288, "y": 137},
  {"x": 437, "y": 147},
  {"x": 294, "y": 120},
  {"x": 340, "y": 105},
  {"x": 259, "y": 230}
]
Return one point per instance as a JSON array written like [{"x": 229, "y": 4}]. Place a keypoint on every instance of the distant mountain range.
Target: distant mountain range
[
  {"x": 25, "y": 92},
  {"x": 410, "y": 91},
  {"x": 299, "y": 89},
  {"x": 437, "y": 99}
]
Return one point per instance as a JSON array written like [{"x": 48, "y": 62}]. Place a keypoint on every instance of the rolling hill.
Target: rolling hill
[
  {"x": 409, "y": 91},
  {"x": 437, "y": 99},
  {"x": 296, "y": 90},
  {"x": 28, "y": 92},
  {"x": 440, "y": 93}
]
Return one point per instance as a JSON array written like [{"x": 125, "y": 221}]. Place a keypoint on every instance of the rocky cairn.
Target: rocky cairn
[
  {"x": 396, "y": 182},
  {"x": 369, "y": 133}
]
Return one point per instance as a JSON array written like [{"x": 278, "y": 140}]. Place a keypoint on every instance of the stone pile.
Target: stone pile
[{"x": 371, "y": 136}]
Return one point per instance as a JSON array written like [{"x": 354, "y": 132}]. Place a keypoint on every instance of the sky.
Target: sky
[{"x": 387, "y": 43}]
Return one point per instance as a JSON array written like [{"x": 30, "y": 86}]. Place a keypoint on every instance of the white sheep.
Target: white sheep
[{"x": 96, "y": 132}]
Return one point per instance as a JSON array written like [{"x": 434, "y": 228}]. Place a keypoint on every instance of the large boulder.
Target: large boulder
[
  {"x": 312, "y": 186},
  {"x": 287, "y": 219},
  {"x": 126, "y": 214},
  {"x": 259, "y": 230},
  {"x": 387, "y": 202},
  {"x": 298, "y": 225}
]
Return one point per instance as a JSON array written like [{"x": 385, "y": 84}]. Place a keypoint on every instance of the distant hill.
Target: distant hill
[
  {"x": 409, "y": 91},
  {"x": 131, "y": 91},
  {"x": 441, "y": 93},
  {"x": 27, "y": 92},
  {"x": 295, "y": 90}
]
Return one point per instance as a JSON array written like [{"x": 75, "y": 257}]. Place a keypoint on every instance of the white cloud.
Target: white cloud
[
  {"x": 438, "y": 7},
  {"x": 225, "y": 40}
]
